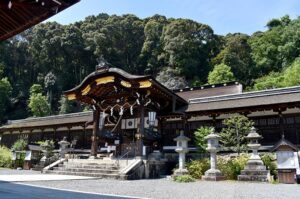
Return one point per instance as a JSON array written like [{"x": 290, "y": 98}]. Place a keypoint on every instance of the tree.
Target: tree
[
  {"x": 5, "y": 92},
  {"x": 233, "y": 136},
  {"x": 200, "y": 134},
  {"x": 188, "y": 47},
  {"x": 220, "y": 74},
  {"x": 49, "y": 81},
  {"x": 271, "y": 81},
  {"x": 37, "y": 102},
  {"x": 237, "y": 55}
]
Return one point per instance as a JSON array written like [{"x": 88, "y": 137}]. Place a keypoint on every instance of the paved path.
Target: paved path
[
  {"x": 19, "y": 191},
  {"x": 157, "y": 188}
]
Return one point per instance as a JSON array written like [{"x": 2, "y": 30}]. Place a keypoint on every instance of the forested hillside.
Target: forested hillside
[{"x": 39, "y": 64}]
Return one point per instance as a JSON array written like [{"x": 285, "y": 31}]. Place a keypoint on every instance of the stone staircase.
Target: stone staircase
[{"x": 93, "y": 168}]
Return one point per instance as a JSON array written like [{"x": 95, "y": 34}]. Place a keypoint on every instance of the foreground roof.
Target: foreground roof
[{"x": 19, "y": 15}]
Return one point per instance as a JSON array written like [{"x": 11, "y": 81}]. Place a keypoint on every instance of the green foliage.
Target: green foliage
[
  {"x": 184, "y": 178},
  {"x": 35, "y": 89},
  {"x": 141, "y": 46},
  {"x": 271, "y": 81},
  {"x": 220, "y": 74},
  {"x": 5, "y": 157},
  {"x": 200, "y": 142},
  {"x": 5, "y": 93},
  {"x": 19, "y": 145},
  {"x": 48, "y": 146},
  {"x": 289, "y": 77},
  {"x": 234, "y": 134},
  {"x": 237, "y": 55},
  {"x": 269, "y": 161},
  {"x": 197, "y": 168},
  {"x": 37, "y": 102},
  {"x": 231, "y": 168},
  {"x": 39, "y": 106}
]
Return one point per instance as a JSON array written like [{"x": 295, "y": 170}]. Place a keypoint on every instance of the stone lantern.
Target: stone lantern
[
  {"x": 63, "y": 147},
  {"x": 213, "y": 174},
  {"x": 255, "y": 169},
  {"x": 182, "y": 149}
]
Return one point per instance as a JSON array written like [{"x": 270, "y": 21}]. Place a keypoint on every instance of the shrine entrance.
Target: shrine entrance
[{"x": 127, "y": 109}]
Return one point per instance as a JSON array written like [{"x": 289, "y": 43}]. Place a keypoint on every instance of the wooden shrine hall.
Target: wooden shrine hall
[{"x": 137, "y": 114}]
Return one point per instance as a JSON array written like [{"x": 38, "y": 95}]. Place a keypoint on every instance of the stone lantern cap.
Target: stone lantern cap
[
  {"x": 181, "y": 137},
  {"x": 253, "y": 135},
  {"x": 63, "y": 141},
  {"x": 212, "y": 135}
]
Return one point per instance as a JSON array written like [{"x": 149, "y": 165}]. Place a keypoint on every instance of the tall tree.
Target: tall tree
[{"x": 220, "y": 74}]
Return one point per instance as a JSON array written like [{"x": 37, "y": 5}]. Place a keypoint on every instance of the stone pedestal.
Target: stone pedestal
[{"x": 255, "y": 169}]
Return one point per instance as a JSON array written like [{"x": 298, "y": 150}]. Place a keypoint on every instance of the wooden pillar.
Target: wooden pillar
[
  {"x": 69, "y": 133},
  {"x": 54, "y": 134},
  {"x": 94, "y": 146},
  {"x": 140, "y": 133},
  {"x": 84, "y": 137},
  {"x": 281, "y": 122},
  {"x": 43, "y": 134}
]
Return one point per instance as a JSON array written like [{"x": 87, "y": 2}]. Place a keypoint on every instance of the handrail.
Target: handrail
[{"x": 118, "y": 159}]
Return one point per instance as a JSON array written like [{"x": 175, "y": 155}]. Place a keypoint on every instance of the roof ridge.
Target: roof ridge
[
  {"x": 251, "y": 94},
  {"x": 68, "y": 115}
]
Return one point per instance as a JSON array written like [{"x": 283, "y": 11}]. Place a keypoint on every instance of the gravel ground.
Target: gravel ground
[{"x": 164, "y": 188}]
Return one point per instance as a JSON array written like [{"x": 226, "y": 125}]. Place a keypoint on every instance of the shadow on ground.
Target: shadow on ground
[{"x": 10, "y": 190}]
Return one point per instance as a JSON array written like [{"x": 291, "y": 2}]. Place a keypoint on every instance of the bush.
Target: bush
[
  {"x": 270, "y": 163},
  {"x": 19, "y": 145},
  {"x": 184, "y": 178},
  {"x": 200, "y": 134},
  {"x": 197, "y": 168},
  {"x": 48, "y": 147},
  {"x": 5, "y": 157},
  {"x": 231, "y": 168}
]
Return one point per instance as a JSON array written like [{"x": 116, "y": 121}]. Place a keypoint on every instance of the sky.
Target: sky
[{"x": 224, "y": 16}]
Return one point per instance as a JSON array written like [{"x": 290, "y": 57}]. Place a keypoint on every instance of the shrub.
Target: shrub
[
  {"x": 270, "y": 163},
  {"x": 5, "y": 157},
  {"x": 197, "y": 168},
  {"x": 19, "y": 145},
  {"x": 231, "y": 168},
  {"x": 184, "y": 178},
  {"x": 200, "y": 134},
  {"x": 48, "y": 147}
]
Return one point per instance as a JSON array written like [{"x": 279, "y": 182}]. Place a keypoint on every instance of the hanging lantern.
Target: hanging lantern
[{"x": 151, "y": 118}]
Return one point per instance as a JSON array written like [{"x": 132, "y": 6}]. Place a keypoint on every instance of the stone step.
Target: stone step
[
  {"x": 89, "y": 174},
  {"x": 254, "y": 172},
  {"x": 255, "y": 167},
  {"x": 259, "y": 178},
  {"x": 90, "y": 167},
  {"x": 115, "y": 171}
]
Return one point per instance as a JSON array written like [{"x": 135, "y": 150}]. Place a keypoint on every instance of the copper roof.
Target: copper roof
[
  {"x": 210, "y": 90},
  {"x": 249, "y": 100},
  {"x": 19, "y": 15},
  {"x": 64, "y": 120}
]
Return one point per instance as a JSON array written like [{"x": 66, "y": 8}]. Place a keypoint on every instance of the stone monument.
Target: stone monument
[
  {"x": 182, "y": 149},
  {"x": 255, "y": 170},
  {"x": 213, "y": 174}
]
